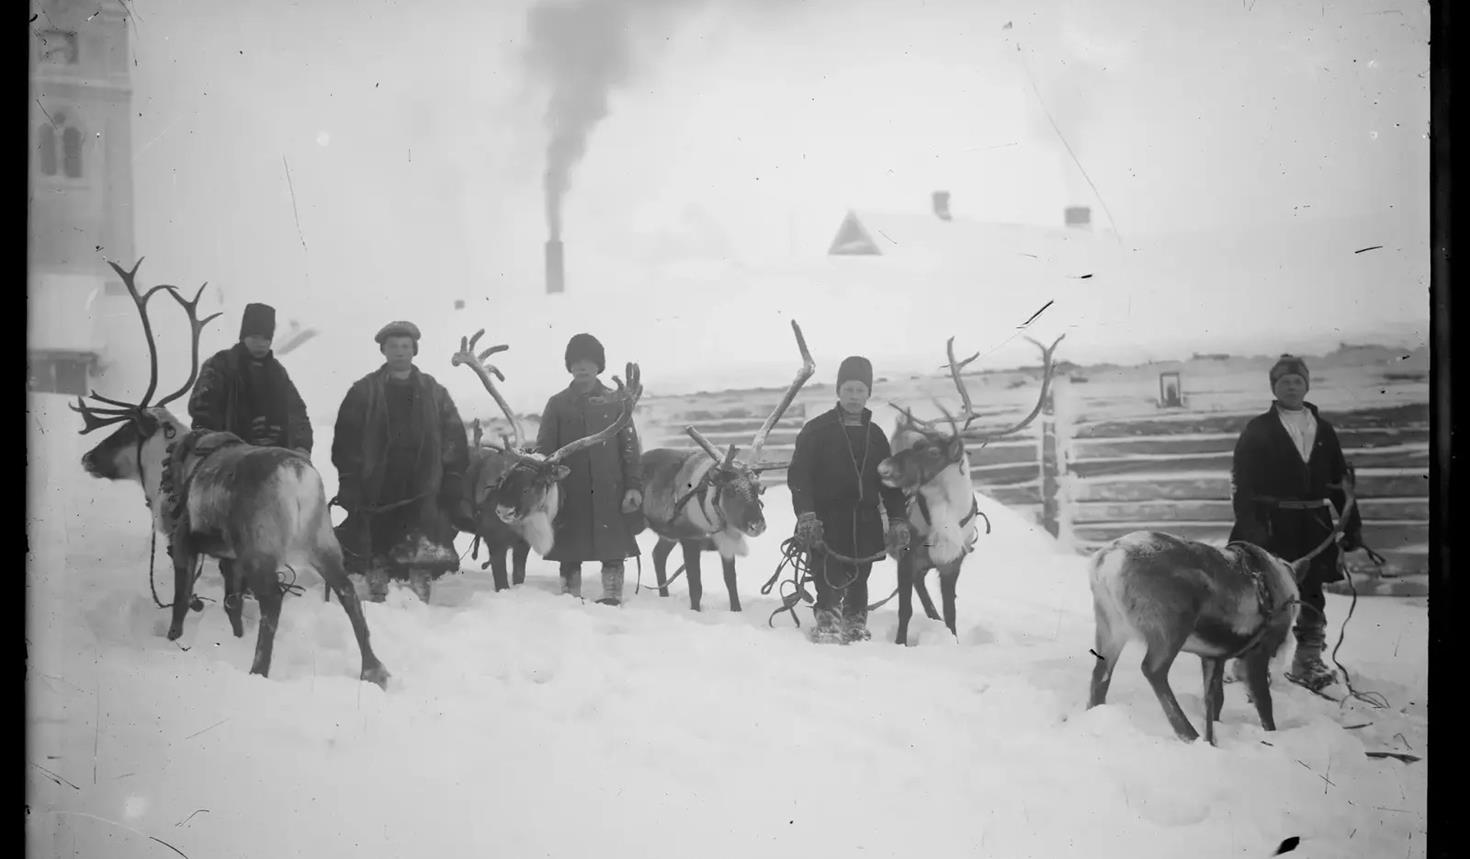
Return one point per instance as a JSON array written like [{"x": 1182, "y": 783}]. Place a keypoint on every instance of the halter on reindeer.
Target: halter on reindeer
[{"x": 212, "y": 494}]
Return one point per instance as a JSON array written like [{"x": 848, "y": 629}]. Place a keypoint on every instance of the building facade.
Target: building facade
[{"x": 82, "y": 325}]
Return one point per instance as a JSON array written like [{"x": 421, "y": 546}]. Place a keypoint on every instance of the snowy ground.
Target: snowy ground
[{"x": 530, "y": 724}]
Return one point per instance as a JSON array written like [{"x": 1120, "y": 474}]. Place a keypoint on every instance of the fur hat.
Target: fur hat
[
  {"x": 258, "y": 320},
  {"x": 1290, "y": 365},
  {"x": 856, "y": 369},
  {"x": 585, "y": 347},
  {"x": 399, "y": 329}
]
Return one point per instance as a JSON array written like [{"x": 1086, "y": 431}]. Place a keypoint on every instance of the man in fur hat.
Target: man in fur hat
[
  {"x": 244, "y": 390},
  {"x": 1284, "y": 461},
  {"x": 835, "y": 491},
  {"x": 401, "y": 452},
  {"x": 602, "y": 494}
]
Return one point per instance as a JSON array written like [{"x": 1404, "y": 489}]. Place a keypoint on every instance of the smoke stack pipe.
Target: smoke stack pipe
[
  {"x": 555, "y": 273},
  {"x": 1078, "y": 216},
  {"x": 941, "y": 205}
]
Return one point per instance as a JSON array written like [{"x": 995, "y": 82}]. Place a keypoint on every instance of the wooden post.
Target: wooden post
[{"x": 1050, "y": 464}]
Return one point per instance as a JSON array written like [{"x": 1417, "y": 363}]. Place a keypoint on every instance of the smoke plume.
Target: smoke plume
[{"x": 585, "y": 49}]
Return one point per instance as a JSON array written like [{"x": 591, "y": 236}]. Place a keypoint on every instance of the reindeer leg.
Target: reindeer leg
[
  {"x": 947, "y": 582},
  {"x": 519, "y": 551},
  {"x": 924, "y": 593},
  {"x": 330, "y": 565},
  {"x": 260, "y": 570},
  {"x": 498, "y": 570},
  {"x": 1258, "y": 680},
  {"x": 660, "y": 556},
  {"x": 1156, "y": 664},
  {"x": 729, "y": 565},
  {"x": 905, "y": 598},
  {"x": 691, "y": 572},
  {"x": 1214, "y": 678},
  {"x": 234, "y": 596},
  {"x": 183, "y": 590},
  {"x": 1109, "y": 643}
]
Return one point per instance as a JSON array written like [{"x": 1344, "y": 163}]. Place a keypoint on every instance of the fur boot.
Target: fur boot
[
  {"x": 828, "y": 629},
  {"x": 612, "y": 585}
]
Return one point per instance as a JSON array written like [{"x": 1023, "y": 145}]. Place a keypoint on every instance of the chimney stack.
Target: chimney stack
[
  {"x": 555, "y": 274},
  {"x": 941, "y": 205},
  {"x": 1079, "y": 217}
]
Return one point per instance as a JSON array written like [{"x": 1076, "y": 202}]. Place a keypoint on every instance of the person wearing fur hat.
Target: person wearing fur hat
[
  {"x": 244, "y": 390},
  {"x": 602, "y": 494},
  {"x": 1283, "y": 464},
  {"x": 401, "y": 452},
  {"x": 836, "y": 492}
]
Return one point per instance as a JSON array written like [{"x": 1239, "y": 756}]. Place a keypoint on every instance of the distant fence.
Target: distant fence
[{"x": 1100, "y": 462}]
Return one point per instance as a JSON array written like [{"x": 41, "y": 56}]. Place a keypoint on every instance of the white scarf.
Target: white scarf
[{"x": 1301, "y": 425}]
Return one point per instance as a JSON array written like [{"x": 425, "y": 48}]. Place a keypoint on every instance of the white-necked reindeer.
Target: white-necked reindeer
[
  {"x": 487, "y": 468},
  {"x": 528, "y": 494},
  {"x": 711, "y": 502},
  {"x": 1237, "y": 602},
  {"x": 932, "y": 468},
  {"x": 213, "y": 494}
]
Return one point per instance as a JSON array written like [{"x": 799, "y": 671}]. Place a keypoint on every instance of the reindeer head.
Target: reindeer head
[
  {"x": 922, "y": 450},
  {"x": 530, "y": 484},
  {"x": 146, "y": 428},
  {"x": 735, "y": 483}
]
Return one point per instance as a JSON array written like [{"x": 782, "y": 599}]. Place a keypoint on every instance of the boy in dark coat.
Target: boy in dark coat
[
  {"x": 244, "y": 390},
  {"x": 835, "y": 491},
  {"x": 602, "y": 494},
  {"x": 1284, "y": 461},
  {"x": 401, "y": 452}
]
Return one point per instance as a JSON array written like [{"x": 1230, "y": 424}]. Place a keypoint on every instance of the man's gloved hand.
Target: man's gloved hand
[
  {"x": 632, "y": 501},
  {"x": 347, "y": 495},
  {"x": 808, "y": 531},
  {"x": 899, "y": 537}
]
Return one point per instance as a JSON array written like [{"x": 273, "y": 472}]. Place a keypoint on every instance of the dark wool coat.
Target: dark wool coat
[
  {"x": 839, "y": 482},
  {"x": 591, "y": 525},
  {"x": 1267, "y": 468},
  {"x": 228, "y": 396},
  {"x": 377, "y": 465}
]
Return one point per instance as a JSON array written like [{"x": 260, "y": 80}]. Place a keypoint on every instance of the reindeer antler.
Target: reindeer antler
[
  {"x": 95, "y": 418},
  {"x": 196, "y": 327},
  {"x": 629, "y": 396},
  {"x": 466, "y": 355},
  {"x": 1048, "y": 369},
  {"x": 808, "y": 367}
]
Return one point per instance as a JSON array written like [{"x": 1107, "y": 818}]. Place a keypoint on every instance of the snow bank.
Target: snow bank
[{"x": 528, "y": 724}]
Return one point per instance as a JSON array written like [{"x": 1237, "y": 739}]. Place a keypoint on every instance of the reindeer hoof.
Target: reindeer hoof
[
  {"x": 735, "y": 607},
  {"x": 377, "y": 675},
  {"x": 174, "y": 631}
]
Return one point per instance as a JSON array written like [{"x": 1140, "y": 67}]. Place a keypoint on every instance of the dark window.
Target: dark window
[
  {"x": 59, "y": 374},
  {"x": 71, "y": 153}
]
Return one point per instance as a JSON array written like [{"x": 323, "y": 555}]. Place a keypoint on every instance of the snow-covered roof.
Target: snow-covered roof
[{"x": 959, "y": 239}]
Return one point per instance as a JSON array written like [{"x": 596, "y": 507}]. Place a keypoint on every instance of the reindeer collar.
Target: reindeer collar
[
  {"x": 698, "y": 490},
  {"x": 918, "y": 499},
  {"x": 182, "y": 459}
]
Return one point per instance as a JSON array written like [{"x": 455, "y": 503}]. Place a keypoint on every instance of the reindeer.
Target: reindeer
[
  {"x": 488, "y": 467},
  {"x": 528, "y": 496},
  {"x": 1237, "y": 602},
  {"x": 213, "y": 494},
  {"x": 711, "y": 503},
  {"x": 932, "y": 468}
]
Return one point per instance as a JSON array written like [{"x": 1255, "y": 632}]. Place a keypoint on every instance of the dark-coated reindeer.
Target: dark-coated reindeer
[
  {"x": 528, "y": 497},
  {"x": 932, "y": 467},
  {"x": 213, "y": 494},
  {"x": 1237, "y": 602},
  {"x": 487, "y": 469},
  {"x": 711, "y": 502}
]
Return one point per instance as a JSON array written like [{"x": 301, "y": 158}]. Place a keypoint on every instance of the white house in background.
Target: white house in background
[
  {"x": 943, "y": 238},
  {"x": 81, "y": 195}
]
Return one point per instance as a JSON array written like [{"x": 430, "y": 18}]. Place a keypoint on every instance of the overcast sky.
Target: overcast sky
[{"x": 742, "y": 130}]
